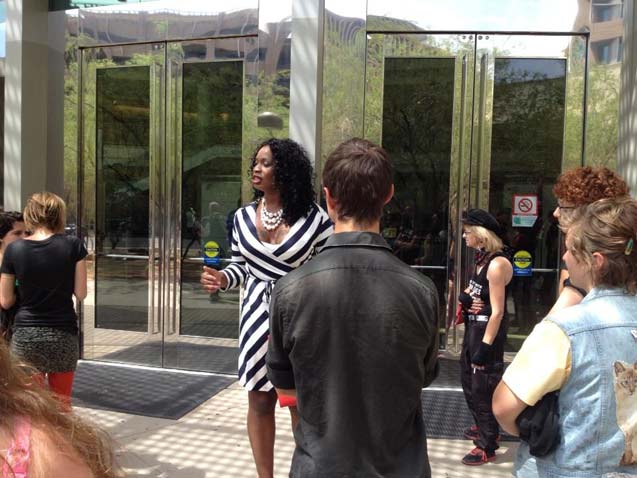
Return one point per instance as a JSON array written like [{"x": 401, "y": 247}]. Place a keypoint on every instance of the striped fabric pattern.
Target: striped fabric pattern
[{"x": 257, "y": 267}]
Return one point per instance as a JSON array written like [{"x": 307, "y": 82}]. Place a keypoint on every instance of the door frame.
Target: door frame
[
  {"x": 247, "y": 52},
  {"x": 90, "y": 64},
  {"x": 473, "y": 107},
  {"x": 165, "y": 62}
]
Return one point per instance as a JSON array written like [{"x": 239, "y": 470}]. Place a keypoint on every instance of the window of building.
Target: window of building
[
  {"x": 608, "y": 51},
  {"x": 607, "y": 10}
]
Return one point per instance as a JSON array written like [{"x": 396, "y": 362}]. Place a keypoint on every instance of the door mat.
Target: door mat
[
  {"x": 448, "y": 374},
  {"x": 211, "y": 358},
  {"x": 445, "y": 411},
  {"x": 153, "y": 393}
]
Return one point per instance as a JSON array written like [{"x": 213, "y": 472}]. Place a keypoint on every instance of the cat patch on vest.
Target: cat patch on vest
[{"x": 626, "y": 407}]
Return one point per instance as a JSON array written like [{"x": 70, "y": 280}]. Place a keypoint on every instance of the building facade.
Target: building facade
[{"x": 144, "y": 117}]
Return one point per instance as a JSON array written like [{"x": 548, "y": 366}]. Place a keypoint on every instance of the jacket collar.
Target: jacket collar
[
  {"x": 596, "y": 292},
  {"x": 355, "y": 239}
]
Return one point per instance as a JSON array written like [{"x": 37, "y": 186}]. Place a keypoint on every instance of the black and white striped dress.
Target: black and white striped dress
[{"x": 257, "y": 266}]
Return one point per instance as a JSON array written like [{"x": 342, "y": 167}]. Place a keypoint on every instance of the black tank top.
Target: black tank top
[{"x": 479, "y": 285}]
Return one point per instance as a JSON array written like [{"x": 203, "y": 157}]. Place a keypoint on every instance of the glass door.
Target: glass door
[
  {"x": 211, "y": 92},
  {"x": 123, "y": 161},
  {"x": 164, "y": 169},
  {"x": 528, "y": 127},
  {"x": 477, "y": 120},
  {"x": 418, "y": 106}
]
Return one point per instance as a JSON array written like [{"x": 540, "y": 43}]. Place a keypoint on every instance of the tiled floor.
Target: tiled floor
[{"x": 211, "y": 441}]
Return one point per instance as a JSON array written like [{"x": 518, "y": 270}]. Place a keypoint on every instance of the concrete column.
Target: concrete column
[
  {"x": 25, "y": 120},
  {"x": 55, "y": 105},
  {"x": 627, "y": 148},
  {"x": 306, "y": 74}
]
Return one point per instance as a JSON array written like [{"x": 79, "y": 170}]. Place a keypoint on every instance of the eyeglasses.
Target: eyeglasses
[{"x": 565, "y": 208}]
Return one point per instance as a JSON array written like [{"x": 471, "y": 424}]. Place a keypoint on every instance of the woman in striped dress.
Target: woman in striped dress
[{"x": 271, "y": 236}]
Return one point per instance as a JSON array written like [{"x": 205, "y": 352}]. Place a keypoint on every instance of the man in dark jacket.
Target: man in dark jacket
[{"x": 353, "y": 334}]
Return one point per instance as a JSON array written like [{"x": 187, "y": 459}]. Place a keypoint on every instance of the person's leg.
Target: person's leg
[
  {"x": 484, "y": 384},
  {"x": 62, "y": 384},
  {"x": 294, "y": 417},
  {"x": 466, "y": 371},
  {"x": 488, "y": 429},
  {"x": 261, "y": 428}
]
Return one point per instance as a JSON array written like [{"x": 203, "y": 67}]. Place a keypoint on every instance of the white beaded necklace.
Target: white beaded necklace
[{"x": 270, "y": 220}]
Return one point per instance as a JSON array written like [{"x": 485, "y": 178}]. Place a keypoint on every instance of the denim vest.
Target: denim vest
[{"x": 603, "y": 332}]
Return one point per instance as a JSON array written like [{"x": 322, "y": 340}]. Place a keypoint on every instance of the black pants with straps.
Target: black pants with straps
[{"x": 478, "y": 385}]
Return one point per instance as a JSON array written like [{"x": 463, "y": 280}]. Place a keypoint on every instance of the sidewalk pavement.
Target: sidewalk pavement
[{"x": 211, "y": 441}]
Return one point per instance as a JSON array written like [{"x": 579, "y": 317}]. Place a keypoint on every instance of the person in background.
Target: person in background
[
  {"x": 49, "y": 268},
  {"x": 588, "y": 352},
  {"x": 354, "y": 335},
  {"x": 575, "y": 188},
  {"x": 38, "y": 440},
  {"x": 271, "y": 236},
  {"x": 11, "y": 229},
  {"x": 482, "y": 357}
]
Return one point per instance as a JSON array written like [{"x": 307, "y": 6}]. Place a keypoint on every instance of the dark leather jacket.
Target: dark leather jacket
[{"x": 355, "y": 332}]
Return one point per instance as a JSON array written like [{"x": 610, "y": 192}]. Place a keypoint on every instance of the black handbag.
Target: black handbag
[{"x": 539, "y": 425}]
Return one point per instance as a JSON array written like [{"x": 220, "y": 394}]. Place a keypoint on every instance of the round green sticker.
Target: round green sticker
[{"x": 211, "y": 249}]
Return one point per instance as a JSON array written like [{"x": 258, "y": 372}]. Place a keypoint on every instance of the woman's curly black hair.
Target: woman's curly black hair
[{"x": 292, "y": 176}]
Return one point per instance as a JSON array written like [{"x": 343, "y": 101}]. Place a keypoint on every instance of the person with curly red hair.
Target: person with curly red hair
[{"x": 575, "y": 188}]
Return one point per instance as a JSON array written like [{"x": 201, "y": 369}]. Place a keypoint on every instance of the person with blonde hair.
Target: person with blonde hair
[
  {"x": 46, "y": 270},
  {"x": 38, "y": 440},
  {"x": 587, "y": 352},
  {"x": 483, "y": 305}
]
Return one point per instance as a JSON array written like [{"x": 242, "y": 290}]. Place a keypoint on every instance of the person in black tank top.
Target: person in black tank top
[{"x": 483, "y": 305}]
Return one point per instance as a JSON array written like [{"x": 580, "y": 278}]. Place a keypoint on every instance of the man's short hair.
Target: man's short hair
[{"x": 358, "y": 175}]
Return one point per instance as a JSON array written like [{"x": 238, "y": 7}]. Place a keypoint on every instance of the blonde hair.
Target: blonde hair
[
  {"x": 45, "y": 210},
  {"x": 609, "y": 227},
  {"x": 489, "y": 240},
  {"x": 21, "y": 397}
]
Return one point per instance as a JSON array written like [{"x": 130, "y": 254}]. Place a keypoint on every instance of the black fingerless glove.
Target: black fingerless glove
[
  {"x": 483, "y": 355},
  {"x": 466, "y": 300}
]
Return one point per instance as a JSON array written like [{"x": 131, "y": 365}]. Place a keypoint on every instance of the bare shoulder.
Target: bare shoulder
[
  {"x": 500, "y": 267},
  {"x": 51, "y": 455}
]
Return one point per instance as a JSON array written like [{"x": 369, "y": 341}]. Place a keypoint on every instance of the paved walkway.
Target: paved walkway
[{"x": 211, "y": 441}]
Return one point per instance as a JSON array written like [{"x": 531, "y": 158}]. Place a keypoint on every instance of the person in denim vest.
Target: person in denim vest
[{"x": 592, "y": 353}]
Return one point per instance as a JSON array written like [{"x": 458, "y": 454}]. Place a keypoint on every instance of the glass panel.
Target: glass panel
[
  {"x": 211, "y": 189},
  {"x": 1, "y": 141},
  {"x": 526, "y": 156},
  {"x": 122, "y": 215},
  {"x": 417, "y": 132}
]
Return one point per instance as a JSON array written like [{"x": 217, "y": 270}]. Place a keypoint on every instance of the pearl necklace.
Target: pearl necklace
[{"x": 270, "y": 220}]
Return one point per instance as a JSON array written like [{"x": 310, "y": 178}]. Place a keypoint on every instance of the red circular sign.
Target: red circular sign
[{"x": 525, "y": 205}]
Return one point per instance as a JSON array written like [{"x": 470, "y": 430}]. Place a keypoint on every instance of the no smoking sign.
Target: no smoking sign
[{"x": 525, "y": 204}]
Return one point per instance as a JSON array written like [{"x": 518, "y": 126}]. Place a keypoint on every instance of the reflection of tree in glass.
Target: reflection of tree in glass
[
  {"x": 417, "y": 121},
  {"x": 211, "y": 146}
]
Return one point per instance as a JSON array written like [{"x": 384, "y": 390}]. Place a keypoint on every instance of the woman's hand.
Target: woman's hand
[
  {"x": 482, "y": 357},
  {"x": 213, "y": 280}
]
